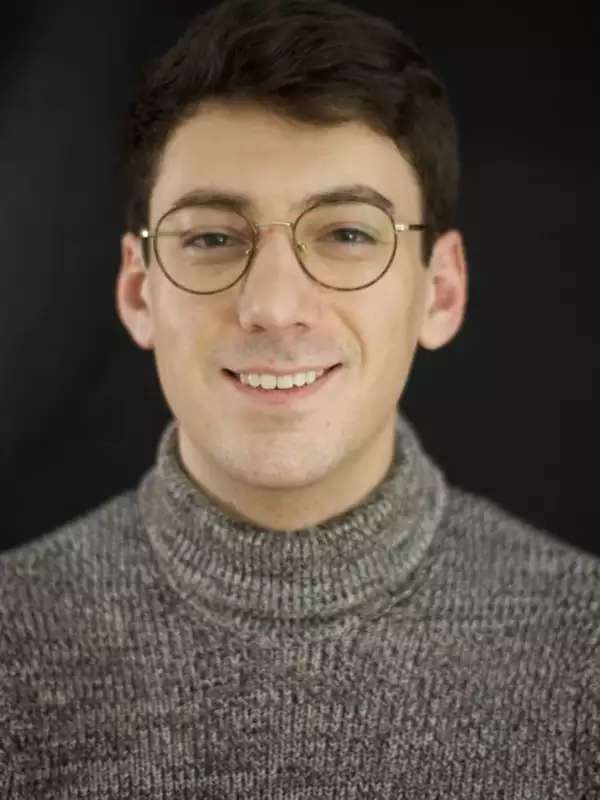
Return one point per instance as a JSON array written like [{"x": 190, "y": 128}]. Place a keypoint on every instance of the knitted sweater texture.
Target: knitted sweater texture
[{"x": 423, "y": 645}]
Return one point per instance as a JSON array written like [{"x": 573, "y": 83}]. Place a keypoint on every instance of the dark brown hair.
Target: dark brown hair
[{"x": 313, "y": 61}]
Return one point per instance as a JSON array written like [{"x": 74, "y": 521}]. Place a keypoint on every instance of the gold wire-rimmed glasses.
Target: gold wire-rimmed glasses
[{"x": 335, "y": 264}]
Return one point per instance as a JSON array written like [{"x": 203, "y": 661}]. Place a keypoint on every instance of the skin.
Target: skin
[{"x": 288, "y": 467}]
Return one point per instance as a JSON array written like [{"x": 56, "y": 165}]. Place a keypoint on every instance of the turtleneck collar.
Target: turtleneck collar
[{"x": 319, "y": 579}]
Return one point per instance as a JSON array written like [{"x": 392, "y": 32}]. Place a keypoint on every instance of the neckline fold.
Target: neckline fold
[{"x": 253, "y": 581}]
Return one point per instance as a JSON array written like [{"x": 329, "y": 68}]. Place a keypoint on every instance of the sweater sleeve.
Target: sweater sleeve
[
  {"x": 6, "y": 766},
  {"x": 587, "y": 743},
  {"x": 6, "y": 779}
]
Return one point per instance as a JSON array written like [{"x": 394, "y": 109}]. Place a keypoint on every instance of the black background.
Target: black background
[{"x": 508, "y": 409}]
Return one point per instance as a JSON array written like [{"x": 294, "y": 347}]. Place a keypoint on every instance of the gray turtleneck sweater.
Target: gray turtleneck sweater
[{"x": 424, "y": 645}]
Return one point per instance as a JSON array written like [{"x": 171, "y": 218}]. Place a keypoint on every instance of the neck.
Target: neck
[{"x": 291, "y": 496}]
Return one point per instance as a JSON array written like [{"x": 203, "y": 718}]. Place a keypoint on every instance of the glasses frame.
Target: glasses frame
[{"x": 398, "y": 227}]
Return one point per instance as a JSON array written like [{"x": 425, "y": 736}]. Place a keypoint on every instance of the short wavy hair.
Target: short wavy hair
[{"x": 313, "y": 61}]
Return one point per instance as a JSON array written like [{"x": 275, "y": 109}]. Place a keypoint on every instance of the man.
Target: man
[{"x": 294, "y": 602}]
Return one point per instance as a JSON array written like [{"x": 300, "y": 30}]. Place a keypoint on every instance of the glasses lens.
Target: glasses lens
[
  {"x": 342, "y": 245},
  {"x": 203, "y": 249},
  {"x": 346, "y": 245}
]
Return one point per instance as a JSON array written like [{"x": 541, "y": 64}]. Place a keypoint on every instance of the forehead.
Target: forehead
[{"x": 276, "y": 161}]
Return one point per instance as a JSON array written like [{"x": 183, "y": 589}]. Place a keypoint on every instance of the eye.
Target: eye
[
  {"x": 354, "y": 232},
  {"x": 190, "y": 240}
]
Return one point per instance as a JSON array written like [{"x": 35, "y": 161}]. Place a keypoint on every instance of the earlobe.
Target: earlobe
[
  {"x": 446, "y": 292},
  {"x": 132, "y": 293}
]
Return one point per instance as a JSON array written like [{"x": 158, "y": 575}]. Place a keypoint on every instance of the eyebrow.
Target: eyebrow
[{"x": 244, "y": 203}]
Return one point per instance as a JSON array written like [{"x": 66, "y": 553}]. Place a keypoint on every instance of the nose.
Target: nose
[
  {"x": 289, "y": 225},
  {"x": 276, "y": 291}
]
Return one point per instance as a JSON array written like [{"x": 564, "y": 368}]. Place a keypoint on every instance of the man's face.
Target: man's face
[{"x": 276, "y": 315}]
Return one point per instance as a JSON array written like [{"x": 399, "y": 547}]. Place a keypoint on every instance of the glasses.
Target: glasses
[{"x": 205, "y": 249}]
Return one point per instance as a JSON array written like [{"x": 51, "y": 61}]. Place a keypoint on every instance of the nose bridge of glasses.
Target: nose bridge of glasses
[
  {"x": 275, "y": 222},
  {"x": 290, "y": 225},
  {"x": 259, "y": 225}
]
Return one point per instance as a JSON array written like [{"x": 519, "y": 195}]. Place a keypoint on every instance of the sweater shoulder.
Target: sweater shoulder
[
  {"x": 482, "y": 516},
  {"x": 500, "y": 545},
  {"x": 62, "y": 560}
]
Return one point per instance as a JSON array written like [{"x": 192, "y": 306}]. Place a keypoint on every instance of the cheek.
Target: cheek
[
  {"x": 393, "y": 312},
  {"x": 177, "y": 343},
  {"x": 392, "y": 335}
]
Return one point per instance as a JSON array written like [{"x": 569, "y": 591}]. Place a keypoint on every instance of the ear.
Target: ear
[
  {"x": 446, "y": 292},
  {"x": 132, "y": 294}
]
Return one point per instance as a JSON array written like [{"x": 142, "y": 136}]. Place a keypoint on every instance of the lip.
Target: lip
[
  {"x": 282, "y": 397},
  {"x": 266, "y": 370}
]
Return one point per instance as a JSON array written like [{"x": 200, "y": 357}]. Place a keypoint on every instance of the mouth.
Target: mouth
[{"x": 283, "y": 396}]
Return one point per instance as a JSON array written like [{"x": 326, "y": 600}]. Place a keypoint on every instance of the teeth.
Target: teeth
[{"x": 280, "y": 381}]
